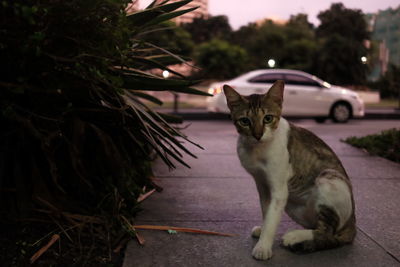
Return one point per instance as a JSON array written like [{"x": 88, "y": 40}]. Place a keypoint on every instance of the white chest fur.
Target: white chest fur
[{"x": 268, "y": 160}]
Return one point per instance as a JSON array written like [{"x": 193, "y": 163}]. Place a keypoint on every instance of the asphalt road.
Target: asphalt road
[{"x": 217, "y": 194}]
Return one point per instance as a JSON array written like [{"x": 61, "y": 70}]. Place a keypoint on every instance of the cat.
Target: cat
[{"x": 295, "y": 171}]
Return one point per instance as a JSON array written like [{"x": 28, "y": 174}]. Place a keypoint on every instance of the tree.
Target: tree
[
  {"x": 299, "y": 55},
  {"x": 348, "y": 23},
  {"x": 171, "y": 37},
  {"x": 268, "y": 42},
  {"x": 292, "y": 45},
  {"x": 298, "y": 27},
  {"x": 341, "y": 35},
  {"x": 300, "y": 46},
  {"x": 339, "y": 61},
  {"x": 244, "y": 34},
  {"x": 219, "y": 59},
  {"x": 205, "y": 29}
]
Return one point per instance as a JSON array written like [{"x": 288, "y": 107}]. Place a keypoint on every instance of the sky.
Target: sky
[{"x": 242, "y": 12}]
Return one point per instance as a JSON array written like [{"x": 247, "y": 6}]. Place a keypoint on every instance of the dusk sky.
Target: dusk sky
[{"x": 241, "y": 12}]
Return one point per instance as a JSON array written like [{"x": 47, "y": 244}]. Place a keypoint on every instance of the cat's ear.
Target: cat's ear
[
  {"x": 275, "y": 93},
  {"x": 233, "y": 98}
]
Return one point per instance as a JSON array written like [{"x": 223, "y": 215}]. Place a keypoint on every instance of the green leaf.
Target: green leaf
[
  {"x": 152, "y": 64},
  {"x": 170, "y": 118},
  {"x": 162, "y": 132},
  {"x": 168, "y": 16},
  {"x": 142, "y": 82},
  {"x": 167, "y": 59},
  {"x": 146, "y": 16},
  {"x": 145, "y": 96},
  {"x": 154, "y": 80}
]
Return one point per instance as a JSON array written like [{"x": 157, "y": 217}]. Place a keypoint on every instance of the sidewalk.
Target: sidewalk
[{"x": 216, "y": 194}]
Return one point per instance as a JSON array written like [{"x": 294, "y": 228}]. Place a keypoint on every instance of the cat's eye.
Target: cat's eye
[
  {"x": 244, "y": 121},
  {"x": 268, "y": 118}
]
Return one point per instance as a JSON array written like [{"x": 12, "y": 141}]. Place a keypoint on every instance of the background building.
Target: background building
[
  {"x": 133, "y": 6},
  {"x": 385, "y": 29},
  {"x": 201, "y": 11}
]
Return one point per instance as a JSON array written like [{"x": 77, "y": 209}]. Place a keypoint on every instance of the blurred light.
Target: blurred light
[
  {"x": 327, "y": 85},
  {"x": 214, "y": 90},
  {"x": 364, "y": 60},
  {"x": 271, "y": 63},
  {"x": 165, "y": 74}
]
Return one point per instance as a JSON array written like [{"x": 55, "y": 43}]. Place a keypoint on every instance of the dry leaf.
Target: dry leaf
[
  {"x": 179, "y": 229},
  {"x": 121, "y": 244},
  {"x": 154, "y": 184},
  {"x": 35, "y": 256},
  {"x": 140, "y": 239},
  {"x": 144, "y": 196}
]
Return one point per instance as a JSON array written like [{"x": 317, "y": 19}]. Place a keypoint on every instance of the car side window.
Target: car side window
[
  {"x": 300, "y": 80},
  {"x": 266, "y": 78}
]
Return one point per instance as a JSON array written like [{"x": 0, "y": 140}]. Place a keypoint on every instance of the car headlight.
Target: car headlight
[{"x": 215, "y": 90}]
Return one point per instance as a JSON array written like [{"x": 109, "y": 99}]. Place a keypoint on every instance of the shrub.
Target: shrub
[
  {"x": 77, "y": 139},
  {"x": 385, "y": 144},
  {"x": 389, "y": 84}
]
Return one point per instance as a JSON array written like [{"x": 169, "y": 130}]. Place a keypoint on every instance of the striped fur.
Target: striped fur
[{"x": 294, "y": 171}]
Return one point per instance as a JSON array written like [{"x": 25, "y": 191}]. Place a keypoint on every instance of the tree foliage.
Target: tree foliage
[
  {"x": 346, "y": 22},
  {"x": 291, "y": 45},
  {"x": 205, "y": 29},
  {"x": 219, "y": 59},
  {"x": 342, "y": 34},
  {"x": 171, "y": 37},
  {"x": 339, "y": 61},
  {"x": 333, "y": 50}
]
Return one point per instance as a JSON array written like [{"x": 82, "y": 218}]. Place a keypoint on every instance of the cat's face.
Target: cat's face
[{"x": 256, "y": 116}]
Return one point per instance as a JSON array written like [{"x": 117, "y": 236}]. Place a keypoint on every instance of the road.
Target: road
[{"x": 217, "y": 194}]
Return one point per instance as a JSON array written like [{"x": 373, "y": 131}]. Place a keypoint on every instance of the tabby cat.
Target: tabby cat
[{"x": 294, "y": 171}]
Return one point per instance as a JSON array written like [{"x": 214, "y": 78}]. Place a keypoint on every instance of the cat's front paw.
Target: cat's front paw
[
  {"x": 256, "y": 231},
  {"x": 262, "y": 252}
]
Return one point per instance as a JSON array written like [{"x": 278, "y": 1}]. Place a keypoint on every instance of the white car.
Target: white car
[{"x": 305, "y": 95}]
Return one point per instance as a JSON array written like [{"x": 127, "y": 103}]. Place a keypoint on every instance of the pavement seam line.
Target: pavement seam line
[
  {"x": 378, "y": 244},
  {"x": 242, "y": 177}
]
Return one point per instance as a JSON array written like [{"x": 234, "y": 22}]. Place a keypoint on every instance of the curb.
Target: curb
[{"x": 198, "y": 115}]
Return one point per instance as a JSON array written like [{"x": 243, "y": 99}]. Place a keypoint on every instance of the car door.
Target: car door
[{"x": 305, "y": 96}]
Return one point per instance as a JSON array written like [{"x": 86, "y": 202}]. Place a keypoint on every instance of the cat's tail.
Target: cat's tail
[{"x": 325, "y": 236}]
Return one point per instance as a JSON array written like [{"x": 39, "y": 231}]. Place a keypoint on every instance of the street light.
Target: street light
[
  {"x": 271, "y": 63},
  {"x": 364, "y": 60},
  {"x": 165, "y": 74}
]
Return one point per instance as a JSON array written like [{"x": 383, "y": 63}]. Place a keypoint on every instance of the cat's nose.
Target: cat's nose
[{"x": 258, "y": 136}]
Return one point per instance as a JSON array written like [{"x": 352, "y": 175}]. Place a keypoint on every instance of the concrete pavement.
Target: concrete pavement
[
  {"x": 217, "y": 194},
  {"x": 201, "y": 113}
]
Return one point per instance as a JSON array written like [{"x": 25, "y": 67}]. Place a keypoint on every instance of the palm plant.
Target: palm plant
[{"x": 77, "y": 136}]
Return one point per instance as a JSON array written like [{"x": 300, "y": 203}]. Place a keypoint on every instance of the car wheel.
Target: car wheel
[
  {"x": 320, "y": 119},
  {"x": 341, "y": 112}
]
